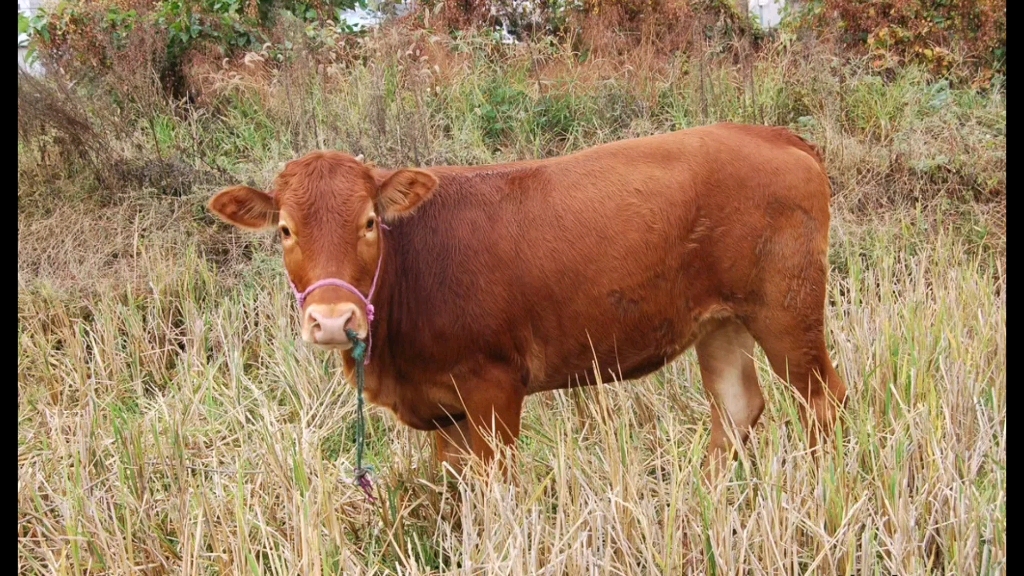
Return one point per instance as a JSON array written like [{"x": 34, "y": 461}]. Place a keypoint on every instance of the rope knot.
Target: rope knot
[
  {"x": 358, "y": 347},
  {"x": 369, "y": 313},
  {"x": 363, "y": 480}
]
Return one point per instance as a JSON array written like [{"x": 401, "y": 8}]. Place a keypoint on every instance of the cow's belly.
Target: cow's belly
[{"x": 627, "y": 349}]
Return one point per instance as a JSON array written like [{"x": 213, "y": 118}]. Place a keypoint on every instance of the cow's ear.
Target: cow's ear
[
  {"x": 400, "y": 193},
  {"x": 245, "y": 207}
]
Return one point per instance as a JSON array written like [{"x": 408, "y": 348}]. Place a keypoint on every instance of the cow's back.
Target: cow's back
[{"x": 620, "y": 252}]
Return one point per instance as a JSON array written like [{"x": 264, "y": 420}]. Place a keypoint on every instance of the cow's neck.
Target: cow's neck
[{"x": 420, "y": 282}]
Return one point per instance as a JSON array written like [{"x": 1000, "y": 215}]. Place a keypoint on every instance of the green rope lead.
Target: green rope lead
[{"x": 362, "y": 474}]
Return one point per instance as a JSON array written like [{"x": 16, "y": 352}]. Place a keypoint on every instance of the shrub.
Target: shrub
[
  {"x": 938, "y": 34},
  {"x": 90, "y": 38}
]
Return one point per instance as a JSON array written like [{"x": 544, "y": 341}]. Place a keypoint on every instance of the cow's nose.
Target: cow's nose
[{"x": 325, "y": 324}]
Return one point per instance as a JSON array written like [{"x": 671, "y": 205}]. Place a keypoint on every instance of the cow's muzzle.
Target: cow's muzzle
[{"x": 325, "y": 324}]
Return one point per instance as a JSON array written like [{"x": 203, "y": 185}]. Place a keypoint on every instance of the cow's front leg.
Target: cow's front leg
[
  {"x": 452, "y": 444},
  {"x": 494, "y": 406}
]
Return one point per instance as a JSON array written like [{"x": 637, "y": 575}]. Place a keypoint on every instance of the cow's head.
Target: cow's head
[{"x": 328, "y": 208}]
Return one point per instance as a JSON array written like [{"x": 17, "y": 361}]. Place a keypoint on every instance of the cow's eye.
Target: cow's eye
[
  {"x": 370, "y": 223},
  {"x": 285, "y": 232}
]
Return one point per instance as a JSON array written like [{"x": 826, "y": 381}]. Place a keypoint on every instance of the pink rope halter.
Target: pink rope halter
[{"x": 301, "y": 296}]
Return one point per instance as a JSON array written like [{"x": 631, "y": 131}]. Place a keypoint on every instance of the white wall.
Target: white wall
[
  {"x": 28, "y": 7},
  {"x": 768, "y": 12}
]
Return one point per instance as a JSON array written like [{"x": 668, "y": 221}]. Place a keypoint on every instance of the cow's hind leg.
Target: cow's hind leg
[
  {"x": 795, "y": 347},
  {"x": 789, "y": 324},
  {"x": 725, "y": 353}
]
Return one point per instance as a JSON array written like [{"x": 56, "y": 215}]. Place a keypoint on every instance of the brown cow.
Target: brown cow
[{"x": 496, "y": 282}]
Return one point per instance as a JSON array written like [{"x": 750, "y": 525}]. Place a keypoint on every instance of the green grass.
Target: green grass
[{"x": 171, "y": 421}]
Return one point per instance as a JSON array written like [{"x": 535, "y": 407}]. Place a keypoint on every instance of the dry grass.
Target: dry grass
[
  {"x": 181, "y": 427},
  {"x": 171, "y": 421}
]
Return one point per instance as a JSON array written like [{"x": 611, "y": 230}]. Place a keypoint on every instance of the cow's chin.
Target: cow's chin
[
  {"x": 339, "y": 346},
  {"x": 333, "y": 347}
]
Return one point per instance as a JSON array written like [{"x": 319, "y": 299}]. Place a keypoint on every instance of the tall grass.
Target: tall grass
[{"x": 170, "y": 420}]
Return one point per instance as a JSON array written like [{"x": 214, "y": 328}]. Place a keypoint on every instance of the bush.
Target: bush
[
  {"x": 944, "y": 35},
  {"x": 90, "y": 38}
]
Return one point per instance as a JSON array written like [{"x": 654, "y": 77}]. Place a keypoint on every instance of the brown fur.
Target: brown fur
[{"x": 507, "y": 280}]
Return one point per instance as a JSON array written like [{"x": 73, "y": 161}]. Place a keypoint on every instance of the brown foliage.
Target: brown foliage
[{"x": 963, "y": 37}]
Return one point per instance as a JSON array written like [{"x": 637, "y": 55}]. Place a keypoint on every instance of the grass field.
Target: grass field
[{"x": 170, "y": 420}]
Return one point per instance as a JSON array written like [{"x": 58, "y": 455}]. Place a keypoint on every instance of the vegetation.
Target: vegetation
[
  {"x": 942, "y": 35},
  {"x": 170, "y": 420}
]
